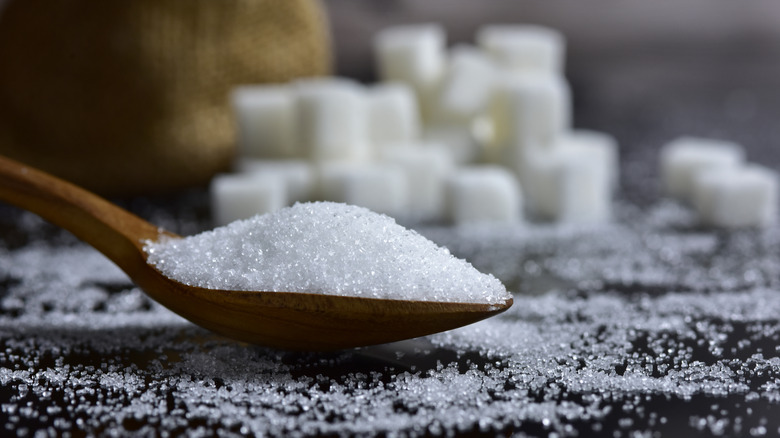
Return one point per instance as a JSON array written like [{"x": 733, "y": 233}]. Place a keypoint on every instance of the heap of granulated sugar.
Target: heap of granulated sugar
[{"x": 325, "y": 248}]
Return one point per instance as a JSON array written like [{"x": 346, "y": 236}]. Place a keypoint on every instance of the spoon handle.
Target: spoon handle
[{"x": 115, "y": 232}]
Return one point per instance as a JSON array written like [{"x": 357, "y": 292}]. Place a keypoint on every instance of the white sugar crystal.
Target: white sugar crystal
[
  {"x": 529, "y": 111},
  {"x": 298, "y": 175},
  {"x": 483, "y": 194},
  {"x": 682, "y": 158},
  {"x": 324, "y": 248},
  {"x": 733, "y": 197},
  {"x": 426, "y": 167},
  {"x": 380, "y": 187},
  {"x": 266, "y": 121},
  {"x": 239, "y": 196},
  {"x": 465, "y": 87},
  {"x": 393, "y": 113},
  {"x": 331, "y": 119},
  {"x": 523, "y": 48}
]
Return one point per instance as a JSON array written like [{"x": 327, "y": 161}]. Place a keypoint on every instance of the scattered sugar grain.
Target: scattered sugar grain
[{"x": 327, "y": 248}]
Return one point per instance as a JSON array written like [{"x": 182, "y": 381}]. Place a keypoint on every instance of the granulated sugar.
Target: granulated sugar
[{"x": 326, "y": 248}]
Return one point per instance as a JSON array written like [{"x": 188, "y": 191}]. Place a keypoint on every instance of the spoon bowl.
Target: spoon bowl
[{"x": 287, "y": 320}]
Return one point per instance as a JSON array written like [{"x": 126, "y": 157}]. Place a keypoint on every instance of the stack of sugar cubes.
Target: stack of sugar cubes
[
  {"x": 713, "y": 176},
  {"x": 505, "y": 102},
  {"x": 337, "y": 140},
  {"x": 448, "y": 135}
]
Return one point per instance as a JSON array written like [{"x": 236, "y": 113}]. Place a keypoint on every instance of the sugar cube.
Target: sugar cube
[
  {"x": 460, "y": 140},
  {"x": 297, "y": 175},
  {"x": 684, "y": 157},
  {"x": 393, "y": 116},
  {"x": 567, "y": 184},
  {"x": 265, "y": 116},
  {"x": 736, "y": 196},
  {"x": 382, "y": 188},
  {"x": 529, "y": 111},
  {"x": 603, "y": 145},
  {"x": 427, "y": 167},
  {"x": 332, "y": 120},
  {"x": 414, "y": 54},
  {"x": 523, "y": 48},
  {"x": 483, "y": 194},
  {"x": 237, "y": 196},
  {"x": 465, "y": 87}
]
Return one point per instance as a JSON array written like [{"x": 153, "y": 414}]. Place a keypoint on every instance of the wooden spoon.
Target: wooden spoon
[{"x": 289, "y": 320}]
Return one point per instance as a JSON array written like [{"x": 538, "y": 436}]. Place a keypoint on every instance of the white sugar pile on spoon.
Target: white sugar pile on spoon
[{"x": 325, "y": 248}]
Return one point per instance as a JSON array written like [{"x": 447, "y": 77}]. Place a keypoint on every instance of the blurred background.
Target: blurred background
[{"x": 645, "y": 72}]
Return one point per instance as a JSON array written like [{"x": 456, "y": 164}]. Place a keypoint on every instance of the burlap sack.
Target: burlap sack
[{"x": 129, "y": 97}]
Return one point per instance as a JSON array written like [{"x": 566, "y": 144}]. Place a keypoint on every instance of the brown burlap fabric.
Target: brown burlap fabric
[{"x": 129, "y": 97}]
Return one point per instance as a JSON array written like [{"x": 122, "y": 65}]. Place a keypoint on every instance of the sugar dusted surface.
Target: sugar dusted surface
[
  {"x": 325, "y": 248},
  {"x": 648, "y": 324}
]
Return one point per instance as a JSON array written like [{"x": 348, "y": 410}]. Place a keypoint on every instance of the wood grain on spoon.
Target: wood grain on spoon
[{"x": 289, "y": 320}]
